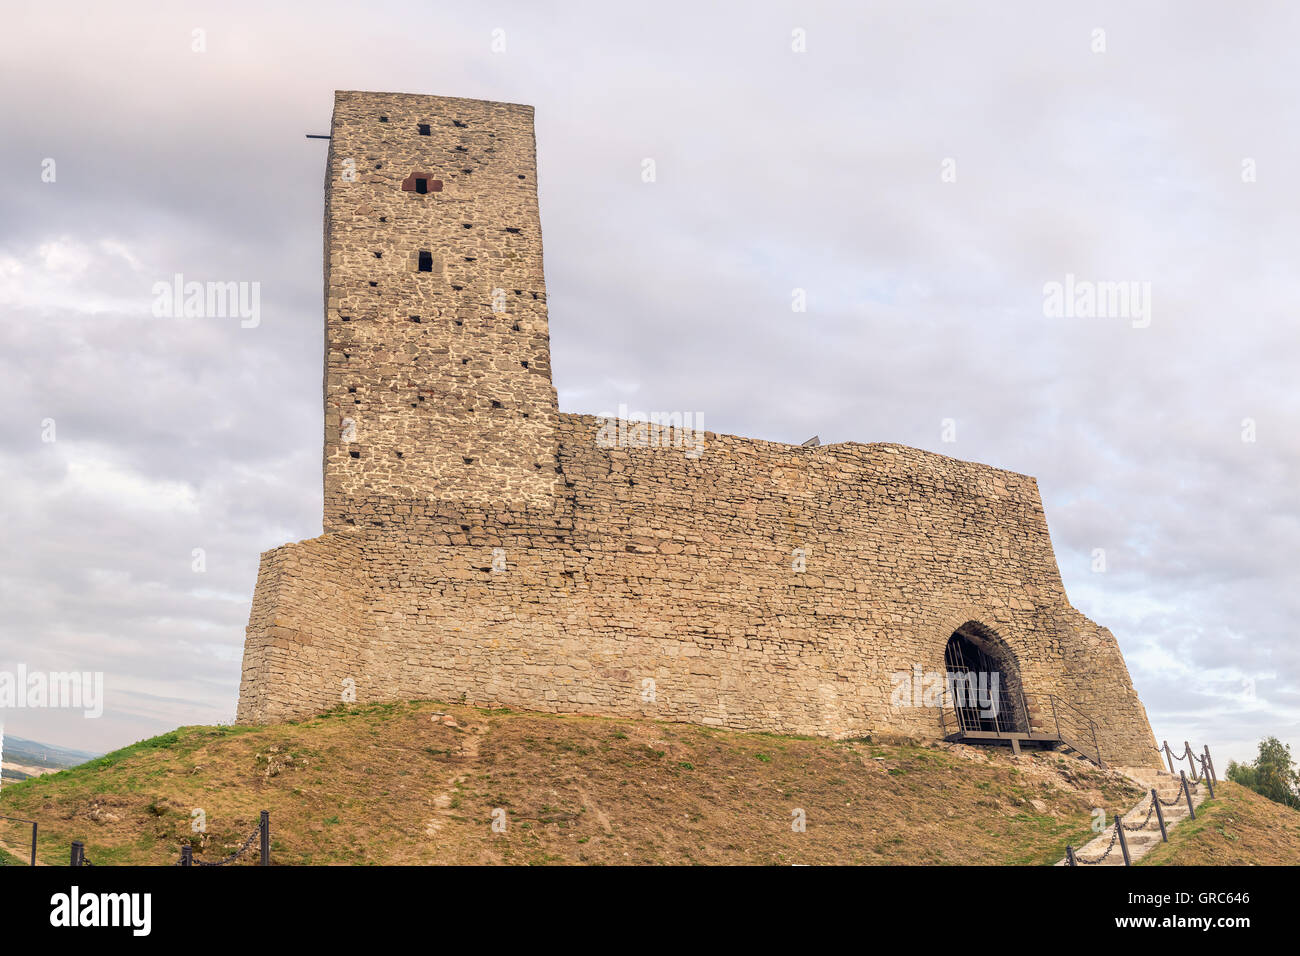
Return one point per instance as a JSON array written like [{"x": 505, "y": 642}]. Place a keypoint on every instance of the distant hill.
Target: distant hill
[
  {"x": 423, "y": 782},
  {"x": 23, "y": 758}
]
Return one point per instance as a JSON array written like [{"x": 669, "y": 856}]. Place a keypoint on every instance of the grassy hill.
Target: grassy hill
[{"x": 418, "y": 783}]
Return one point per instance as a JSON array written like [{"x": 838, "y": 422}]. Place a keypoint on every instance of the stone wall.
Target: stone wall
[{"x": 702, "y": 578}]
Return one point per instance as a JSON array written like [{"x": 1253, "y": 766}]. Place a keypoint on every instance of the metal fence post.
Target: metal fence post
[
  {"x": 33, "y": 843},
  {"x": 265, "y": 855},
  {"x": 1123, "y": 843},
  {"x": 1160, "y": 815},
  {"x": 1069, "y": 856},
  {"x": 78, "y": 852},
  {"x": 1187, "y": 793},
  {"x": 187, "y": 855}
]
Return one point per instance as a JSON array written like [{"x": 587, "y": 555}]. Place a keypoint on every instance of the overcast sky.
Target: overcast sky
[{"x": 921, "y": 170}]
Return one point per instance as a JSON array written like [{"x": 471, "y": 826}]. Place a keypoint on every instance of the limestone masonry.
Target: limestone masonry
[{"x": 480, "y": 545}]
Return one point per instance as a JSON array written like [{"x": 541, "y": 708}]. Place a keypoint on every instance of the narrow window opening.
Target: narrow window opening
[
  {"x": 426, "y": 264},
  {"x": 355, "y": 454},
  {"x": 421, "y": 185},
  {"x": 423, "y": 128}
]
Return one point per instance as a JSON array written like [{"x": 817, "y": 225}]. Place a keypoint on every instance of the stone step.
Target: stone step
[{"x": 1141, "y": 841}]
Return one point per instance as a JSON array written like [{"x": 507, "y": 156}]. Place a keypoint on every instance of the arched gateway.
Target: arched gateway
[
  {"x": 984, "y": 682},
  {"x": 985, "y": 700}
]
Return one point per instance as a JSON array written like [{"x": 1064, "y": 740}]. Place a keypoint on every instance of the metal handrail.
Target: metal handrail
[
  {"x": 33, "y": 825},
  {"x": 1088, "y": 727}
]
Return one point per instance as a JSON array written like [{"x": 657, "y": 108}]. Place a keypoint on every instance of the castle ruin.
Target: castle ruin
[{"x": 481, "y": 545}]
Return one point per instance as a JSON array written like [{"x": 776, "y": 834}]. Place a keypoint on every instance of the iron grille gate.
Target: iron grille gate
[{"x": 964, "y": 657}]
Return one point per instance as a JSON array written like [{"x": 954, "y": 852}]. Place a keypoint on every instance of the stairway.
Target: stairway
[{"x": 1141, "y": 828}]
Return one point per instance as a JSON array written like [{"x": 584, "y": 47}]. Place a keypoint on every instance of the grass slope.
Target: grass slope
[
  {"x": 1238, "y": 827},
  {"x": 418, "y": 783}
]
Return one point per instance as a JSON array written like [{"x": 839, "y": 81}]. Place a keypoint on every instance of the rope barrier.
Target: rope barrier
[
  {"x": 187, "y": 852},
  {"x": 1142, "y": 826},
  {"x": 238, "y": 853},
  {"x": 1083, "y": 859}
]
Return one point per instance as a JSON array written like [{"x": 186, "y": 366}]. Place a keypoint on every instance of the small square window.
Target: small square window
[
  {"x": 424, "y": 129},
  {"x": 421, "y": 185},
  {"x": 426, "y": 262}
]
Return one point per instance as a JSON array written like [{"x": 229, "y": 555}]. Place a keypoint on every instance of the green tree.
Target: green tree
[{"x": 1272, "y": 773}]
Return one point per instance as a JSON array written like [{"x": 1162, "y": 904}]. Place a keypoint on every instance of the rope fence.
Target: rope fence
[
  {"x": 263, "y": 830},
  {"x": 1186, "y": 782}
]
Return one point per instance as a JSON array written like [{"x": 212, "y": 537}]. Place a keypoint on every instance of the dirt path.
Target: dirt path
[{"x": 469, "y": 751}]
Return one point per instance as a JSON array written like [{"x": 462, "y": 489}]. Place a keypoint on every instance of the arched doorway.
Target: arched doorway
[{"x": 984, "y": 682}]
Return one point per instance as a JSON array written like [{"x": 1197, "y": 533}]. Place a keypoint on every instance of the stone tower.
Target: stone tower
[{"x": 437, "y": 367}]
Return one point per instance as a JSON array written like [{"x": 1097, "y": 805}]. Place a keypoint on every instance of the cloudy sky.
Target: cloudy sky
[{"x": 921, "y": 170}]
